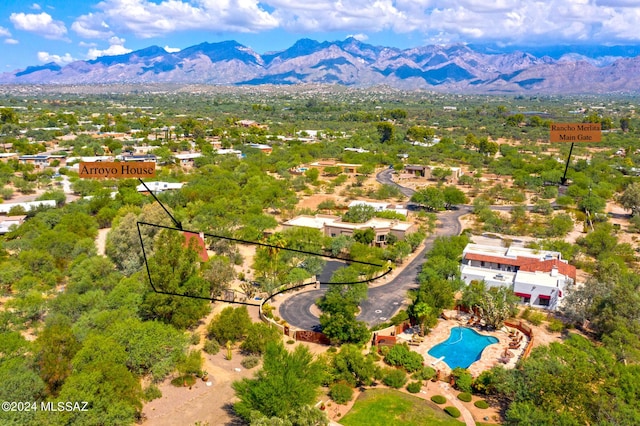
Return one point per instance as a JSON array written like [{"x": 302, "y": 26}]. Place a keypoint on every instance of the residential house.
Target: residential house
[
  {"x": 380, "y": 207},
  {"x": 539, "y": 277},
  {"x": 333, "y": 226},
  {"x": 5, "y": 208},
  {"x": 156, "y": 187},
  {"x": 137, "y": 158},
  {"x": 6, "y": 222},
  {"x": 187, "y": 159},
  {"x": 40, "y": 161}
]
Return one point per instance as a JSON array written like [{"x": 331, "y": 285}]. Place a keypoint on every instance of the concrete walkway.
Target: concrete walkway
[{"x": 453, "y": 399}]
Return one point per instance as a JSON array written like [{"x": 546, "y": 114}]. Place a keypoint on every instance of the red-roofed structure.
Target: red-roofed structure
[
  {"x": 538, "y": 277},
  {"x": 199, "y": 243},
  {"x": 548, "y": 265}
]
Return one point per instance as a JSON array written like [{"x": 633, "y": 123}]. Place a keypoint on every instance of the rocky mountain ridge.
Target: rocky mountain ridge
[{"x": 455, "y": 68}]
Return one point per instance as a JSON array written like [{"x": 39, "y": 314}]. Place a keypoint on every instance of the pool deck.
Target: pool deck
[{"x": 493, "y": 354}]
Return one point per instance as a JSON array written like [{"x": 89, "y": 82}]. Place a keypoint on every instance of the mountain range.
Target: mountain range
[{"x": 456, "y": 68}]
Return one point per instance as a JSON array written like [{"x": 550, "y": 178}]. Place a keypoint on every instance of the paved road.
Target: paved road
[{"x": 384, "y": 300}]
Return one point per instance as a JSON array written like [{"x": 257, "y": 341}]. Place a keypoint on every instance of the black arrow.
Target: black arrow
[{"x": 178, "y": 224}]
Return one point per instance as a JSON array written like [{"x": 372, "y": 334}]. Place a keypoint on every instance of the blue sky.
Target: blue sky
[{"x": 63, "y": 31}]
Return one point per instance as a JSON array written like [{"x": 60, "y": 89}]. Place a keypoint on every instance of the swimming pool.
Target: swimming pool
[{"x": 463, "y": 347}]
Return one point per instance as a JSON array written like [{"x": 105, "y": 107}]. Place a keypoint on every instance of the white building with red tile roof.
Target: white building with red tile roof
[{"x": 538, "y": 277}]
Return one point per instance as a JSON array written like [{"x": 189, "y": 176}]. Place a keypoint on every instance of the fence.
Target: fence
[{"x": 312, "y": 337}]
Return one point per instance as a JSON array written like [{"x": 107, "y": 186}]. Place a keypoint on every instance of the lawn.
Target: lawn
[{"x": 384, "y": 407}]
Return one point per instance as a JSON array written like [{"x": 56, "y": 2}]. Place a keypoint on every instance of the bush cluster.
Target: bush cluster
[
  {"x": 464, "y": 396},
  {"x": 481, "y": 403},
  {"x": 452, "y": 411},
  {"x": 250, "y": 362},
  {"x": 402, "y": 356},
  {"x": 438, "y": 399},
  {"x": 341, "y": 393},
  {"x": 395, "y": 378},
  {"x": 414, "y": 387},
  {"x": 211, "y": 346}
]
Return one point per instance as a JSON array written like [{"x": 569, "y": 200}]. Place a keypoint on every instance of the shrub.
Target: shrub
[
  {"x": 555, "y": 325},
  {"x": 525, "y": 314},
  {"x": 425, "y": 373},
  {"x": 332, "y": 350},
  {"x": 414, "y": 387},
  {"x": 536, "y": 318},
  {"x": 290, "y": 342},
  {"x": 230, "y": 324},
  {"x": 374, "y": 356},
  {"x": 395, "y": 378},
  {"x": 250, "y": 362},
  {"x": 152, "y": 392},
  {"x": 186, "y": 380},
  {"x": 402, "y": 356},
  {"x": 194, "y": 339},
  {"x": 438, "y": 399},
  {"x": 341, "y": 393},
  {"x": 452, "y": 411},
  {"x": 463, "y": 379},
  {"x": 211, "y": 347},
  {"x": 464, "y": 397},
  {"x": 481, "y": 403}
]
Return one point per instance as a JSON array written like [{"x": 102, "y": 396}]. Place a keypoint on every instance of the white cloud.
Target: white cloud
[
  {"x": 4, "y": 32},
  {"x": 46, "y": 57},
  {"x": 35, "y": 6},
  {"x": 509, "y": 21},
  {"x": 172, "y": 49},
  {"x": 92, "y": 26},
  {"x": 146, "y": 19},
  {"x": 11, "y": 41},
  {"x": 359, "y": 37},
  {"x": 116, "y": 47},
  {"x": 41, "y": 23}
]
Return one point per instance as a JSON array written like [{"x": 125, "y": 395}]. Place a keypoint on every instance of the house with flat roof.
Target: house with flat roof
[
  {"x": 187, "y": 159},
  {"x": 5, "y": 208},
  {"x": 158, "y": 186},
  {"x": 381, "y": 206},
  {"x": 41, "y": 161},
  {"x": 538, "y": 277},
  {"x": 333, "y": 226},
  {"x": 7, "y": 222}
]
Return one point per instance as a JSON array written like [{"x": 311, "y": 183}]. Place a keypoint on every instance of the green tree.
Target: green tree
[
  {"x": 55, "y": 347},
  {"x": 218, "y": 273},
  {"x": 286, "y": 383},
  {"x": 231, "y": 324},
  {"x": 359, "y": 213},
  {"x": 630, "y": 198},
  {"x": 386, "y": 131},
  {"x": 258, "y": 336},
  {"x": 351, "y": 366},
  {"x": 430, "y": 198},
  {"x": 453, "y": 196},
  {"x": 174, "y": 269}
]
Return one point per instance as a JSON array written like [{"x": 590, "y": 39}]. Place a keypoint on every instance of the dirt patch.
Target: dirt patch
[{"x": 101, "y": 240}]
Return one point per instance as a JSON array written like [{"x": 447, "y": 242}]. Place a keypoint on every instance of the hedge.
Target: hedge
[
  {"x": 464, "y": 396},
  {"x": 438, "y": 399},
  {"x": 481, "y": 403},
  {"x": 452, "y": 411}
]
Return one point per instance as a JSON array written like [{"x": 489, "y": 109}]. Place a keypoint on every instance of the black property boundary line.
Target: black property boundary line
[{"x": 255, "y": 243}]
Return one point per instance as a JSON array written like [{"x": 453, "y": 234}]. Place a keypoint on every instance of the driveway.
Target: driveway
[{"x": 384, "y": 300}]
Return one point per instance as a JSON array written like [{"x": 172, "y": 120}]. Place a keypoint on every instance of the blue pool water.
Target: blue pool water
[{"x": 463, "y": 347}]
